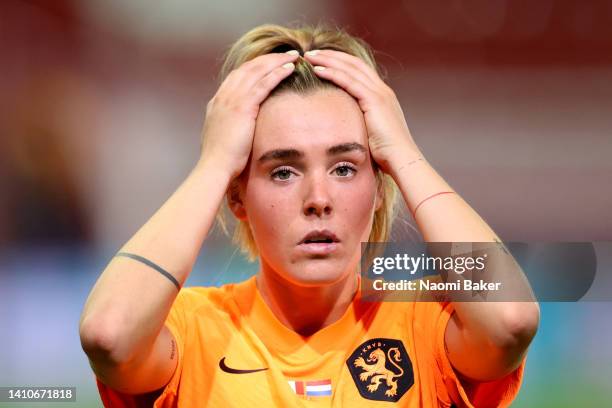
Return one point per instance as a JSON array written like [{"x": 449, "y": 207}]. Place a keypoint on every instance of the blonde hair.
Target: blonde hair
[{"x": 269, "y": 38}]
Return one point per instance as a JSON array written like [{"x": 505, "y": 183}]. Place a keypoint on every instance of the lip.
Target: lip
[
  {"x": 317, "y": 233},
  {"x": 319, "y": 248}
]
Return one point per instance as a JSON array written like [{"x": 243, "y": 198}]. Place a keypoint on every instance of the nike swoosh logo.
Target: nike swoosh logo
[{"x": 230, "y": 370}]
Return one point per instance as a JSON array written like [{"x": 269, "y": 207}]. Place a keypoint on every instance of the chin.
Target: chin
[{"x": 316, "y": 272}]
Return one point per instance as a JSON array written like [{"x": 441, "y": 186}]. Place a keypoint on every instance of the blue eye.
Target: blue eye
[
  {"x": 282, "y": 173},
  {"x": 345, "y": 170}
]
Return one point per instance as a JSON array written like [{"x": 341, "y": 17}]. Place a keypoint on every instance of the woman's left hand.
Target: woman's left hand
[{"x": 389, "y": 139}]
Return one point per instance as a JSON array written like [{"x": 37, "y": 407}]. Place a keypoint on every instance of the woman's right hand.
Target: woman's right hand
[{"x": 229, "y": 124}]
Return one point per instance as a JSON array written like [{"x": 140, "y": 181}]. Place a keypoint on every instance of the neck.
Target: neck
[{"x": 306, "y": 310}]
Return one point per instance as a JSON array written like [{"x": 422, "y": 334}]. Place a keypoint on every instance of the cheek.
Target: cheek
[
  {"x": 358, "y": 201},
  {"x": 268, "y": 209},
  {"x": 356, "y": 209}
]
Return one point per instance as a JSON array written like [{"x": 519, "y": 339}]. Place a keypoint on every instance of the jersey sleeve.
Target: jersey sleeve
[
  {"x": 498, "y": 393},
  {"x": 167, "y": 396}
]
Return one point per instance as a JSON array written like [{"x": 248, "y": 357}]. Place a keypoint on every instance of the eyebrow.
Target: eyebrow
[
  {"x": 284, "y": 154},
  {"x": 345, "y": 147}
]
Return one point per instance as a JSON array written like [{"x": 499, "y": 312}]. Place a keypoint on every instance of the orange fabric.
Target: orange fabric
[{"x": 233, "y": 322}]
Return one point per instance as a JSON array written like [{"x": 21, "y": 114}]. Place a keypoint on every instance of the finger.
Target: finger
[
  {"x": 346, "y": 81},
  {"x": 342, "y": 59},
  {"x": 252, "y": 71},
  {"x": 262, "y": 89},
  {"x": 333, "y": 62}
]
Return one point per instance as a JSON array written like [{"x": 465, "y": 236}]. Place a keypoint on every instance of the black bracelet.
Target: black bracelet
[{"x": 152, "y": 265}]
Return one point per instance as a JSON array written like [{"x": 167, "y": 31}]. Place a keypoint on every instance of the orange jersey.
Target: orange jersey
[{"x": 233, "y": 352}]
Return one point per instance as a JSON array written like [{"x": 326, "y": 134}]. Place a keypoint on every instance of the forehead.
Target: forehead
[{"x": 317, "y": 120}]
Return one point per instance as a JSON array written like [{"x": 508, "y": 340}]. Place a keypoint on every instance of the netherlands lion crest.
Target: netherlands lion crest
[{"x": 381, "y": 369}]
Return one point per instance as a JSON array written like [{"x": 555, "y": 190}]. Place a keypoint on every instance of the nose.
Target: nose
[{"x": 317, "y": 198}]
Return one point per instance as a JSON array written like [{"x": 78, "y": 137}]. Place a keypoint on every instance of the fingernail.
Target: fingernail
[
  {"x": 288, "y": 65},
  {"x": 293, "y": 52},
  {"x": 319, "y": 68},
  {"x": 312, "y": 53}
]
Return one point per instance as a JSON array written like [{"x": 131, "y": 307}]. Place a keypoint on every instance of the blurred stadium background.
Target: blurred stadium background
[{"x": 101, "y": 107}]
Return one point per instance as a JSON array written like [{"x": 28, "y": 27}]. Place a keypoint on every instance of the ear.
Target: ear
[{"x": 234, "y": 196}]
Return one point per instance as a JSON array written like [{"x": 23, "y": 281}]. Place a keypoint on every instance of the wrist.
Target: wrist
[
  {"x": 405, "y": 157},
  {"x": 210, "y": 168}
]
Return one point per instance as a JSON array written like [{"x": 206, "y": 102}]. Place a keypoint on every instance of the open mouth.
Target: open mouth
[
  {"x": 319, "y": 236},
  {"x": 319, "y": 242}
]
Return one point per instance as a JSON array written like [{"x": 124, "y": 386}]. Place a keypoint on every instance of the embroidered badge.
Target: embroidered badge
[
  {"x": 381, "y": 369},
  {"x": 320, "y": 388}
]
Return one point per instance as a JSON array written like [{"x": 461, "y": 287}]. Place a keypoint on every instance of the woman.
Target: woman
[{"x": 305, "y": 142}]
